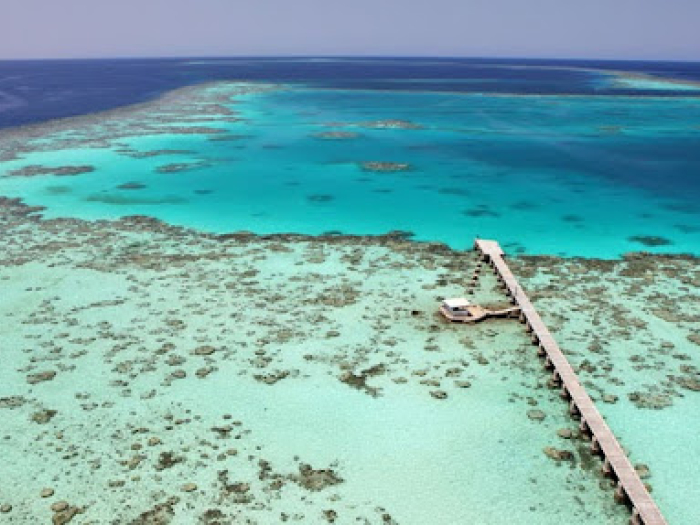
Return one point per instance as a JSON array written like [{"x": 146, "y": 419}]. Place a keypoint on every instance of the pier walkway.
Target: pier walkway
[{"x": 630, "y": 488}]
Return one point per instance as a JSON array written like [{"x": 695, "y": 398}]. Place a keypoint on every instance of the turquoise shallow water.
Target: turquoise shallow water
[
  {"x": 448, "y": 425},
  {"x": 567, "y": 175}
]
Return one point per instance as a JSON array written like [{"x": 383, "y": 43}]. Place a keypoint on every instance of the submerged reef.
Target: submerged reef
[
  {"x": 131, "y": 186},
  {"x": 320, "y": 198},
  {"x": 34, "y": 170},
  {"x": 126, "y": 200},
  {"x": 187, "y": 456},
  {"x": 390, "y": 124},
  {"x": 384, "y": 167},
  {"x": 481, "y": 211},
  {"x": 193, "y": 110},
  {"x": 177, "y": 167},
  {"x": 336, "y": 135},
  {"x": 153, "y": 153},
  {"x": 204, "y": 376},
  {"x": 616, "y": 316},
  {"x": 650, "y": 240}
]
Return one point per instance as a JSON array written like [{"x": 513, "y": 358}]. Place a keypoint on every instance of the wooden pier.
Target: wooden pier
[{"x": 630, "y": 488}]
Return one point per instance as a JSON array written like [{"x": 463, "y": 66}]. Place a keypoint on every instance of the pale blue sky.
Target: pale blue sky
[{"x": 638, "y": 29}]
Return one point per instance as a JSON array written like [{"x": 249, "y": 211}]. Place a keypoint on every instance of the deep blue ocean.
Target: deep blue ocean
[{"x": 38, "y": 90}]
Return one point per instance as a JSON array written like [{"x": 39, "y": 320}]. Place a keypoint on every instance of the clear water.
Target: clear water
[
  {"x": 567, "y": 175},
  {"x": 101, "y": 321},
  {"x": 569, "y": 159}
]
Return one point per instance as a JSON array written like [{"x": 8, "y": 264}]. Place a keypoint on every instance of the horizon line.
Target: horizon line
[{"x": 342, "y": 56}]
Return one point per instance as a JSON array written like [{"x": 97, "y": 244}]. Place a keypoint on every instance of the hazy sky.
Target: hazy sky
[{"x": 651, "y": 29}]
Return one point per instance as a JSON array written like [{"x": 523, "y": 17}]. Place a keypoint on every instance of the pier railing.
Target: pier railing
[{"x": 629, "y": 486}]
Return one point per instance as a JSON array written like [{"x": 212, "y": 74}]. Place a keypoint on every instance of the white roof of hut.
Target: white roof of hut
[{"x": 456, "y": 303}]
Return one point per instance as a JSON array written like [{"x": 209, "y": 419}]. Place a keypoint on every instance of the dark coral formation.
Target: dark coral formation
[
  {"x": 359, "y": 379},
  {"x": 336, "y": 135},
  {"x": 482, "y": 211},
  {"x": 131, "y": 186},
  {"x": 35, "y": 170},
  {"x": 152, "y": 153},
  {"x": 650, "y": 240},
  {"x": 385, "y": 167},
  {"x": 320, "y": 198},
  {"x": 390, "y": 124},
  {"x": 177, "y": 167},
  {"x": 316, "y": 479},
  {"x": 128, "y": 200}
]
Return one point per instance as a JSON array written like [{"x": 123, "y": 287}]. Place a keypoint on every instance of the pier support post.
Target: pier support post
[
  {"x": 585, "y": 429},
  {"x": 606, "y": 469},
  {"x": 573, "y": 409},
  {"x": 595, "y": 449},
  {"x": 556, "y": 378},
  {"x": 636, "y": 519},
  {"x": 620, "y": 494}
]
